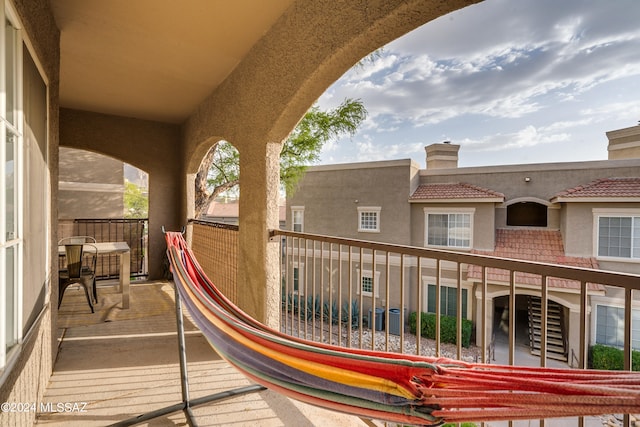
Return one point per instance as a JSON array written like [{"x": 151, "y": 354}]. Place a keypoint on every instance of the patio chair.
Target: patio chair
[
  {"x": 74, "y": 240},
  {"x": 76, "y": 273}
]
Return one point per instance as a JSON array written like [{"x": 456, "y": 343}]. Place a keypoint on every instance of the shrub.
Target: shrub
[
  {"x": 355, "y": 314},
  {"x": 448, "y": 328},
  {"x": 611, "y": 358},
  {"x": 311, "y": 309}
]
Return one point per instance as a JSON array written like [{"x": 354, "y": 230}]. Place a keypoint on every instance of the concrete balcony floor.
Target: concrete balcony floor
[{"x": 116, "y": 364}]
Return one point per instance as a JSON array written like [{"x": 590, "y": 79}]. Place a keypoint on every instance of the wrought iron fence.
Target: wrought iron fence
[{"x": 131, "y": 231}]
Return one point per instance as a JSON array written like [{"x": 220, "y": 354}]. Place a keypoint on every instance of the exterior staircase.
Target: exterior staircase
[{"x": 556, "y": 343}]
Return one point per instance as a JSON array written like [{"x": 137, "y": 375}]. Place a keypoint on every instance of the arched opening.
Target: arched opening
[
  {"x": 528, "y": 312},
  {"x": 107, "y": 199},
  {"x": 527, "y": 214},
  {"x": 217, "y": 184}
]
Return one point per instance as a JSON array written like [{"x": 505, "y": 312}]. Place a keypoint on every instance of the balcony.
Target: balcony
[{"x": 125, "y": 362}]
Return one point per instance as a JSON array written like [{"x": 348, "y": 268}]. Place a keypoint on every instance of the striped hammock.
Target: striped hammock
[{"x": 401, "y": 388}]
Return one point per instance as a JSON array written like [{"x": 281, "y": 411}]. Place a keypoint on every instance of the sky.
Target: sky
[{"x": 510, "y": 81}]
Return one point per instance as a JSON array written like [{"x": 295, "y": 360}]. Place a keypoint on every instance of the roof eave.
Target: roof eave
[
  {"x": 563, "y": 199},
  {"x": 461, "y": 200}
]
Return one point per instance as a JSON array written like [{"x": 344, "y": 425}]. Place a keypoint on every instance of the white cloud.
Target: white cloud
[
  {"x": 527, "y": 73},
  {"x": 528, "y": 136}
]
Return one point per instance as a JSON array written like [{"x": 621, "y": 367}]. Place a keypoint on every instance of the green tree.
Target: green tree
[
  {"x": 136, "y": 203},
  {"x": 220, "y": 169}
]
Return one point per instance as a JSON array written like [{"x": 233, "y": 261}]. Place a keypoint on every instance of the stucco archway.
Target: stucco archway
[
  {"x": 150, "y": 146},
  {"x": 257, "y": 106}
]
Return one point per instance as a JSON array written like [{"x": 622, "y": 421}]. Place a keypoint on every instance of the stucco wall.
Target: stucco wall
[
  {"x": 151, "y": 146},
  {"x": 91, "y": 185},
  {"x": 331, "y": 196},
  {"x": 483, "y": 222},
  {"x": 546, "y": 180},
  {"x": 29, "y": 375},
  {"x": 308, "y": 48},
  {"x": 581, "y": 230}
]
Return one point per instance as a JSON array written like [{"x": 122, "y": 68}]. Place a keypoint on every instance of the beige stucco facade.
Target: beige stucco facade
[
  {"x": 624, "y": 143},
  {"x": 91, "y": 185},
  {"x": 344, "y": 189},
  {"x": 327, "y": 193}
]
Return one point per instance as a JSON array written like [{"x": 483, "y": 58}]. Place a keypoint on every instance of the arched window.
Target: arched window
[{"x": 527, "y": 214}]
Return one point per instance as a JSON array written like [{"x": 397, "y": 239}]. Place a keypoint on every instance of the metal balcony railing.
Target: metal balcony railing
[
  {"x": 132, "y": 231},
  {"x": 384, "y": 297}
]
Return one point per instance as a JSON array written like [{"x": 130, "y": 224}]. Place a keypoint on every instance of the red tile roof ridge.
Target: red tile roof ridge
[
  {"x": 603, "y": 187},
  {"x": 452, "y": 190}
]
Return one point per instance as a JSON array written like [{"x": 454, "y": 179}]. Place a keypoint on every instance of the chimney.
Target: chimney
[
  {"x": 624, "y": 143},
  {"x": 442, "y": 155}
]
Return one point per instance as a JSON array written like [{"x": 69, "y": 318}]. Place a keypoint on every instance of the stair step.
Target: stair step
[
  {"x": 550, "y": 333},
  {"x": 549, "y": 315},
  {"x": 551, "y": 355},
  {"x": 554, "y": 322},
  {"x": 549, "y": 310},
  {"x": 550, "y": 351},
  {"x": 550, "y": 342},
  {"x": 555, "y": 338},
  {"x": 550, "y": 323},
  {"x": 554, "y": 326},
  {"x": 550, "y": 326}
]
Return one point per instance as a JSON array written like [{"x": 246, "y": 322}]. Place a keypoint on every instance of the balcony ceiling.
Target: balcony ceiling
[{"x": 153, "y": 59}]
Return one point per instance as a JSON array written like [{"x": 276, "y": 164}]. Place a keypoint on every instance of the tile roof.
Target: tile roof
[
  {"x": 604, "y": 188},
  {"x": 532, "y": 245},
  {"x": 452, "y": 191}
]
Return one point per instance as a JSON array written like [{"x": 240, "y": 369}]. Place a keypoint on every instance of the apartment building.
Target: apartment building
[{"x": 584, "y": 214}]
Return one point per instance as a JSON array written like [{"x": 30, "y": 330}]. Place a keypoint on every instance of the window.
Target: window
[
  {"x": 618, "y": 236},
  {"x": 297, "y": 218},
  {"x": 369, "y": 219},
  {"x": 448, "y": 229},
  {"x": 11, "y": 192},
  {"x": 610, "y": 326},
  {"x": 448, "y": 300},
  {"x": 298, "y": 278},
  {"x": 367, "y": 284}
]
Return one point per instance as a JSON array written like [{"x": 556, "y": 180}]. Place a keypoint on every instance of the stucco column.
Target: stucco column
[{"x": 258, "y": 260}]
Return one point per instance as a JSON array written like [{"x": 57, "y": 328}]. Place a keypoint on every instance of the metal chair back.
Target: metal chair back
[{"x": 74, "y": 240}]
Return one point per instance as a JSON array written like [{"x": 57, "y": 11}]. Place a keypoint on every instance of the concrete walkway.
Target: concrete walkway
[{"x": 118, "y": 364}]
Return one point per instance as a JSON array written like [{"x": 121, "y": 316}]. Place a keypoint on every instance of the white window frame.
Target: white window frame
[
  {"x": 602, "y": 301},
  {"x": 11, "y": 241},
  {"x": 448, "y": 211},
  {"x": 297, "y": 210},
  {"x": 375, "y": 282},
  {"x": 301, "y": 277},
  {"x": 445, "y": 283},
  {"x": 614, "y": 213},
  {"x": 362, "y": 210}
]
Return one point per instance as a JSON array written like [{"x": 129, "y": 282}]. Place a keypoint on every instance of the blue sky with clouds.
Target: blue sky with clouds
[{"x": 510, "y": 81}]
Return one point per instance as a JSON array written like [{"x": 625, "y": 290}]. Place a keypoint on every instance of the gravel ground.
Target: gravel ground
[{"x": 410, "y": 341}]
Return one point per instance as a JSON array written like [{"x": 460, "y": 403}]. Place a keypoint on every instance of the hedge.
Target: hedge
[
  {"x": 448, "y": 330},
  {"x": 611, "y": 358}
]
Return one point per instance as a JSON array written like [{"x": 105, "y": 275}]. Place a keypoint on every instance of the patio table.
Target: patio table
[{"x": 122, "y": 249}]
